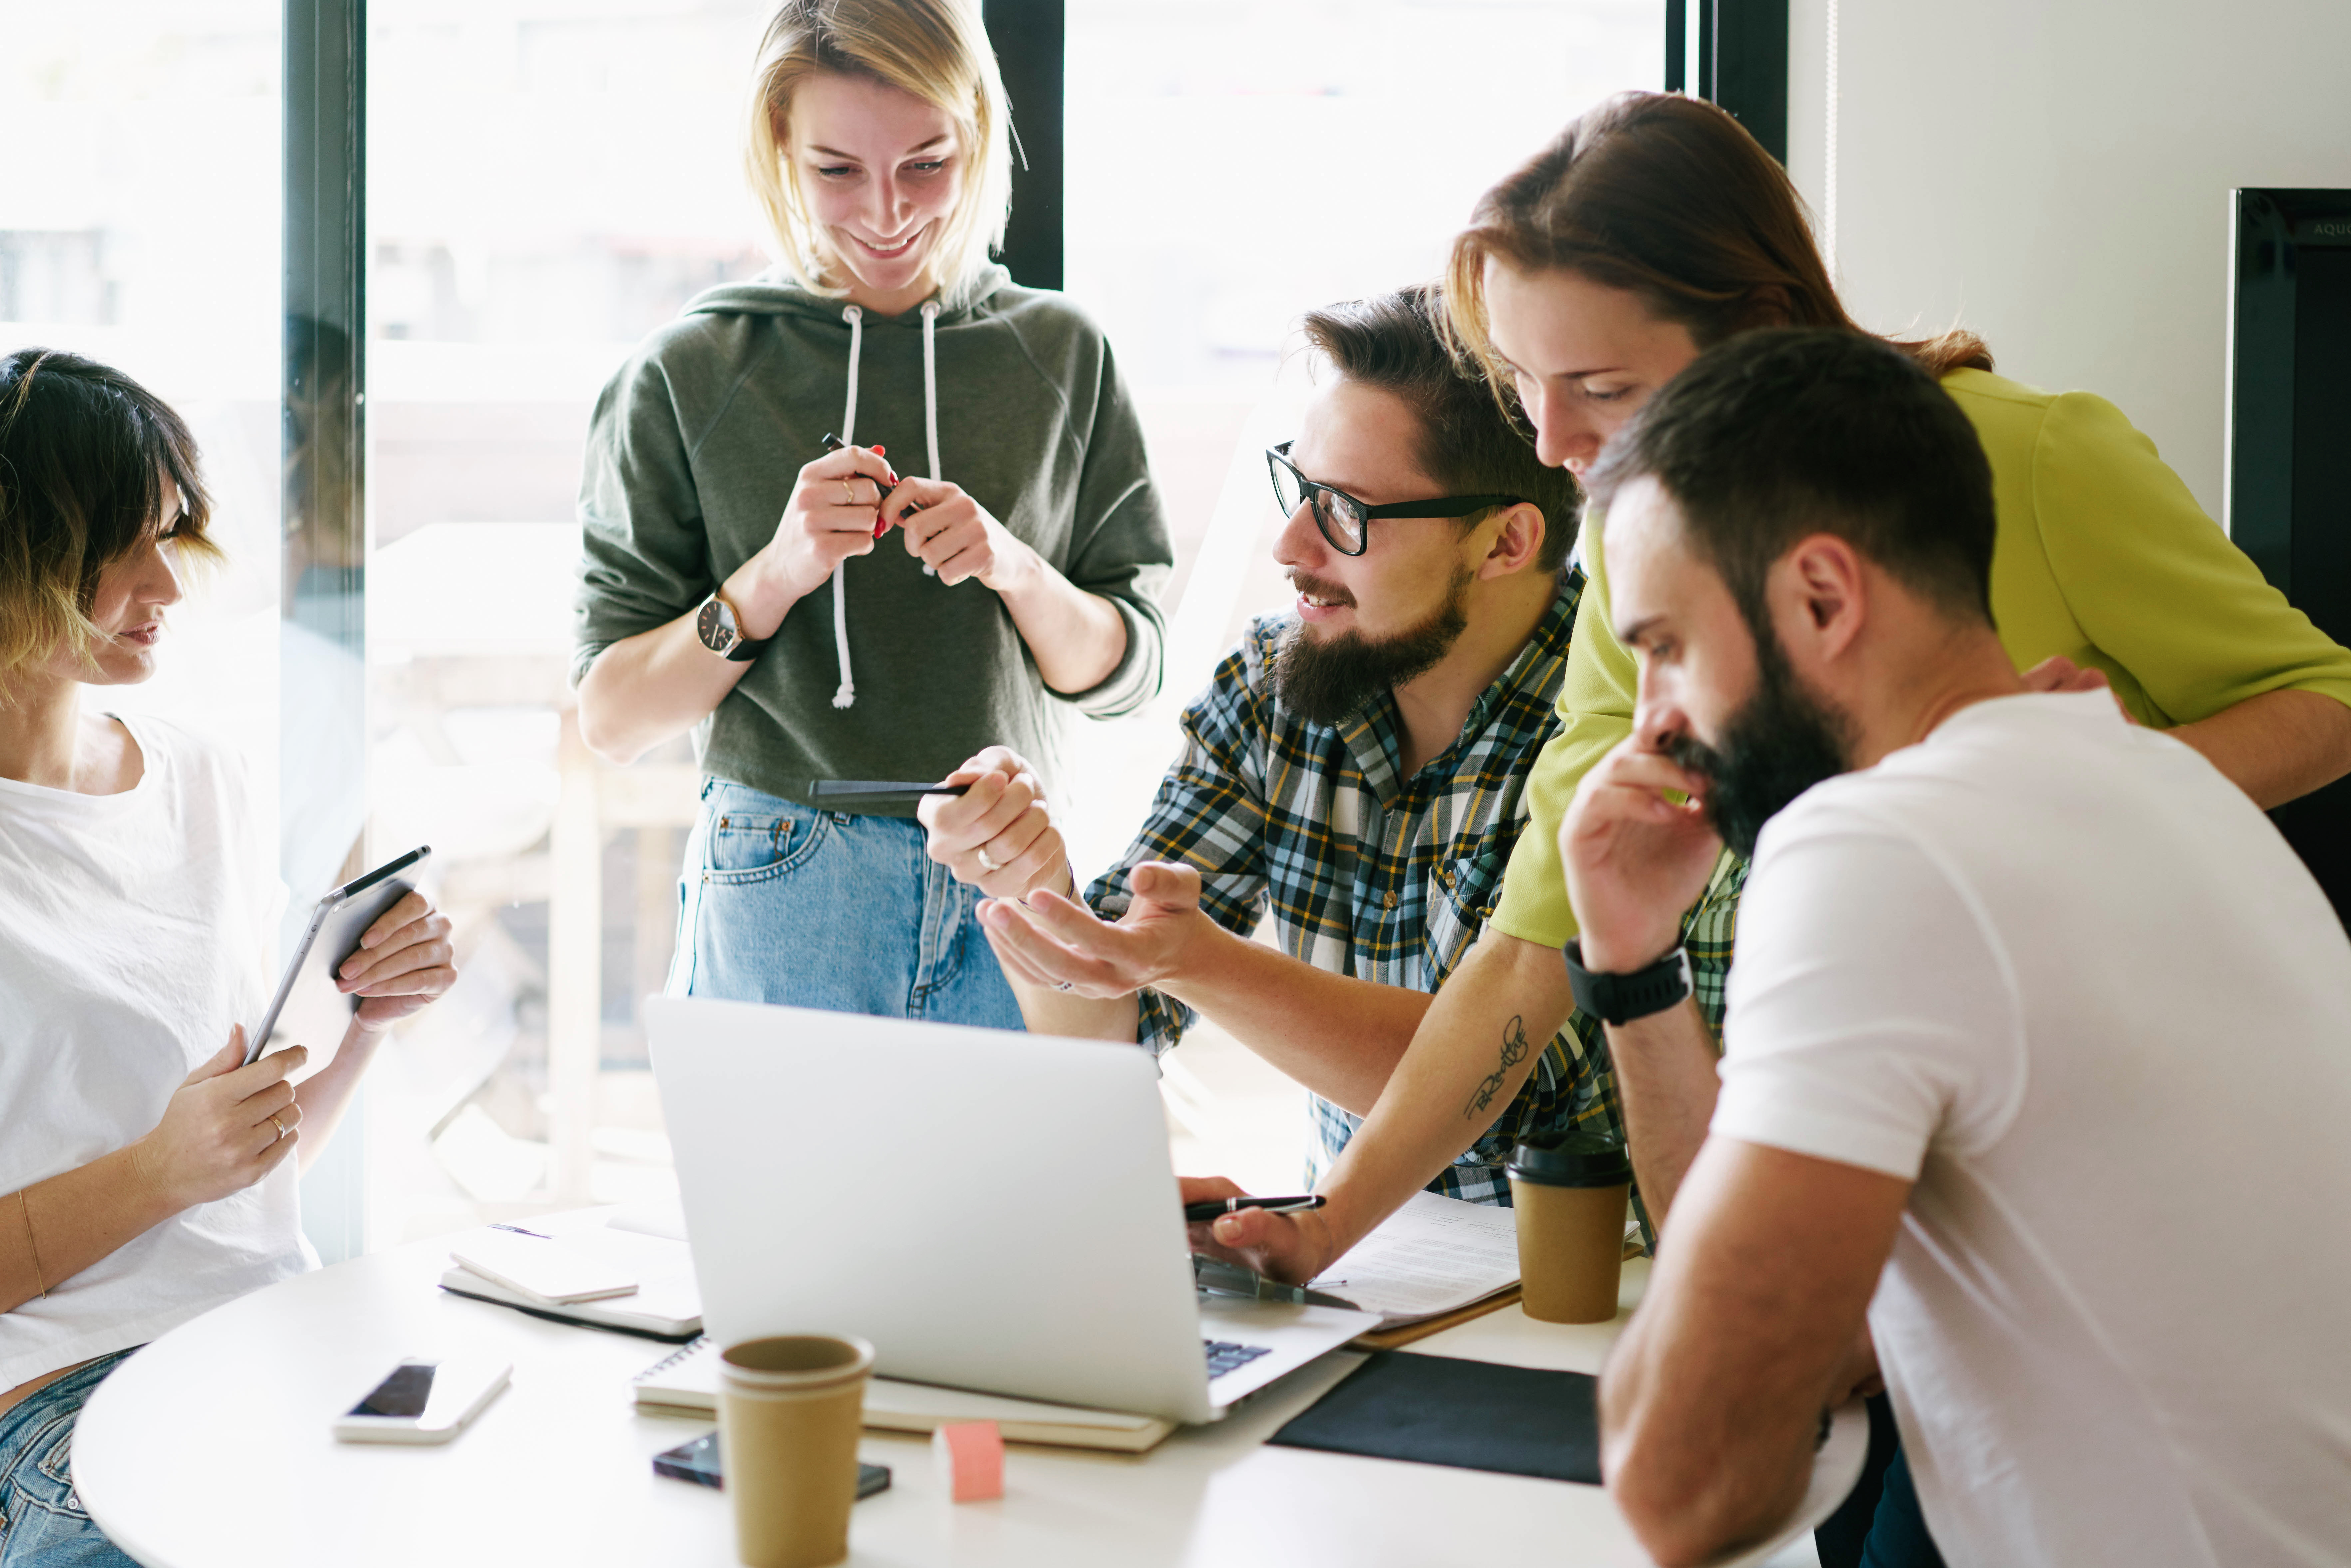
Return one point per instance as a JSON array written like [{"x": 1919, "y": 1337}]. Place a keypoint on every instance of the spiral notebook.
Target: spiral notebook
[{"x": 687, "y": 1384}]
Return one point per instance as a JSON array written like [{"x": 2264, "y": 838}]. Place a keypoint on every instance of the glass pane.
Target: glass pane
[
  {"x": 1232, "y": 163},
  {"x": 165, "y": 266},
  {"x": 548, "y": 182}
]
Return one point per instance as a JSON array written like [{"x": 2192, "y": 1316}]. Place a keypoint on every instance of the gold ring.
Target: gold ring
[
  {"x": 848, "y": 494},
  {"x": 278, "y": 1124}
]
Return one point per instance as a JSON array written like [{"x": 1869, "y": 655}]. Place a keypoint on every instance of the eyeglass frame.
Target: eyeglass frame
[{"x": 1309, "y": 491}]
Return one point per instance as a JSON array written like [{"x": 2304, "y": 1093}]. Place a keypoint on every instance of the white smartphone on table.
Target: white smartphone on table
[{"x": 424, "y": 1401}]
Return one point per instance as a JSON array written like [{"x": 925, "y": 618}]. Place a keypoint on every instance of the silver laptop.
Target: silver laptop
[{"x": 993, "y": 1210}]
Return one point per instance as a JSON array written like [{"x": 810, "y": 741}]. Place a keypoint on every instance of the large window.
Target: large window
[
  {"x": 139, "y": 225},
  {"x": 1233, "y": 163},
  {"x": 548, "y": 182}
]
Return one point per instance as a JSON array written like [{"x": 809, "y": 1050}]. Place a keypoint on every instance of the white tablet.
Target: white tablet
[{"x": 309, "y": 1009}]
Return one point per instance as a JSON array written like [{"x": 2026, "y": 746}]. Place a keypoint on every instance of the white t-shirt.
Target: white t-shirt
[
  {"x": 2063, "y": 973},
  {"x": 134, "y": 930}
]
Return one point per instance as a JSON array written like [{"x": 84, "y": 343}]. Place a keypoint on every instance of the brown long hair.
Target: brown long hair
[{"x": 1670, "y": 198}]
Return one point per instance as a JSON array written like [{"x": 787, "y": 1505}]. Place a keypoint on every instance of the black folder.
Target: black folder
[{"x": 1472, "y": 1414}]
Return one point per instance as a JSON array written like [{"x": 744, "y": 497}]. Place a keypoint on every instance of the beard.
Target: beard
[
  {"x": 1324, "y": 680},
  {"x": 1780, "y": 742}
]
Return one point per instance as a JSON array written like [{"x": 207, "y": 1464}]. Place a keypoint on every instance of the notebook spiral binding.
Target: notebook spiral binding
[{"x": 698, "y": 1342}]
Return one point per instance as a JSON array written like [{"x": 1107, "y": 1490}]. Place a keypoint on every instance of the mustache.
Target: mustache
[
  {"x": 1314, "y": 586},
  {"x": 1692, "y": 755}
]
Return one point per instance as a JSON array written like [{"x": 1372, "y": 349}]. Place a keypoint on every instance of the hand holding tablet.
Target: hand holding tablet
[{"x": 315, "y": 1002}]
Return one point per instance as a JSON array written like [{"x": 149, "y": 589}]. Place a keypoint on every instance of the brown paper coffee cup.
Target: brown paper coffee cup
[
  {"x": 1569, "y": 1192},
  {"x": 789, "y": 1412},
  {"x": 1570, "y": 1249}
]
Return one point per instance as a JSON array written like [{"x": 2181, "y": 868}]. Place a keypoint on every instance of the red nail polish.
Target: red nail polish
[{"x": 879, "y": 449}]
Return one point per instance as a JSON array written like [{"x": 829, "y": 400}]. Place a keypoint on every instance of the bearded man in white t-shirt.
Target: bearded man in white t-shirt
[{"x": 2034, "y": 1074}]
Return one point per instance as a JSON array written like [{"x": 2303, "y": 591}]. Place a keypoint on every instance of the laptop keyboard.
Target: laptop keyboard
[{"x": 1224, "y": 1355}]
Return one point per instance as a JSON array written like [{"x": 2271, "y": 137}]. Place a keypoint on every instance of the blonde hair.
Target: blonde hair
[
  {"x": 85, "y": 451},
  {"x": 936, "y": 50}
]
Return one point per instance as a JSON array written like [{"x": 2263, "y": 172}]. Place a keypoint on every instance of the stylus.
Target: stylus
[
  {"x": 1194, "y": 1213},
  {"x": 836, "y": 788}
]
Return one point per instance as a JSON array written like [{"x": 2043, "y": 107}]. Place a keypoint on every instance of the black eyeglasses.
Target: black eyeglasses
[{"x": 1345, "y": 522}]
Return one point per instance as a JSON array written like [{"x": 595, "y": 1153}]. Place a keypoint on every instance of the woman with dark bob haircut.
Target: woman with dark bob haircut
[{"x": 144, "y": 1173}]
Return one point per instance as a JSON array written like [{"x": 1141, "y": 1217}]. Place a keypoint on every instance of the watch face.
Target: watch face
[{"x": 715, "y": 625}]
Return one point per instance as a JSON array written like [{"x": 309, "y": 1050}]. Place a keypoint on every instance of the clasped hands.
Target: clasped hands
[
  {"x": 999, "y": 838},
  {"x": 846, "y": 500}
]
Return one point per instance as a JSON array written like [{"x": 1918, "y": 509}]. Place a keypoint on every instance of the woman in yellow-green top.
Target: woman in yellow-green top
[{"x": 1653, "y": 228}]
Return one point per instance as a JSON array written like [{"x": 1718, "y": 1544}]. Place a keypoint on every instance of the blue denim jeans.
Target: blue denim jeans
[
  {"x": 784, "y": 903},
  {"x": 42, "y": 1521}
]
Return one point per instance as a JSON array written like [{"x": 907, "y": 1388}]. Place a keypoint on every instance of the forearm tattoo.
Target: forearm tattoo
[{"x": 1514, "y": 1050}]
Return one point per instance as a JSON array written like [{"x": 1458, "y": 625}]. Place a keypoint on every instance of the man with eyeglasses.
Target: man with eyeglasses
[{"x": 1356, "y": 769}]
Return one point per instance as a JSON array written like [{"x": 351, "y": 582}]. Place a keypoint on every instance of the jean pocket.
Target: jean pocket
[
  {"x": 50, "y": 1452},
  {"x": 748, "y": 846}
]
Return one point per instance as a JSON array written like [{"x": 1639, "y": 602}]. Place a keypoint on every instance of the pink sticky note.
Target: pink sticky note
[{"x": 969, "y": 1457}]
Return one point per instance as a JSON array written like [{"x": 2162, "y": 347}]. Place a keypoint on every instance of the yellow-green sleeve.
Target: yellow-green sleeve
[
  {"x": 1595, "y": 704},
  {"x": 2180, "y": 613}
]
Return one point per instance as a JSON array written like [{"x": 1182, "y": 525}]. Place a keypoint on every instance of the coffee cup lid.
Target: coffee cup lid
[{"x": 1572, "y": 1159}]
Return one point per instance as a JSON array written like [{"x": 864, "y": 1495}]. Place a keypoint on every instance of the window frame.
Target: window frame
[{"x": 1741, "y": 64}]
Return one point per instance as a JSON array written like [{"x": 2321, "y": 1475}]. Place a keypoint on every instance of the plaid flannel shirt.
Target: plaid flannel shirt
[{"x": 1382, "y": 878}]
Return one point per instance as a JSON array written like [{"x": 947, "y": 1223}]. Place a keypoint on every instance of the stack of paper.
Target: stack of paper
[
  {"x": 1435, "y": 1255},
  {"x": 609, "y": 1277},
  {"x": 687, "y": 1384}
]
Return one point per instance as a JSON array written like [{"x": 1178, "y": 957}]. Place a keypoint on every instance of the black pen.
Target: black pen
[
  {"x": 1197, "y": 1213},
  {"x": 842, "y": 788}
]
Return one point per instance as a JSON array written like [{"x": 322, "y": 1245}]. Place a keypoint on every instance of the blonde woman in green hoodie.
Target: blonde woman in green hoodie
[{"x": 1029, "y": 543}]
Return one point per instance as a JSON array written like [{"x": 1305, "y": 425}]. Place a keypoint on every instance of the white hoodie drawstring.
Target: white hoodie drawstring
[
  {"x": 931, "y": 395},
  {"x": 847, "y": 693},
  {"x": 930, "y": 380}
]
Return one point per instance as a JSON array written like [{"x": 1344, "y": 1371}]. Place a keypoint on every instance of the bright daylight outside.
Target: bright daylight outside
[{"x": 548, "y": 180}]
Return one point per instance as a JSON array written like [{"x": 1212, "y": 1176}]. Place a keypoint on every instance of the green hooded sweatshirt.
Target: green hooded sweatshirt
[{"x": 691, "y": 456}]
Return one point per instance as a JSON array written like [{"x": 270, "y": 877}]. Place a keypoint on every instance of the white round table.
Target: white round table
[{"x": 210, "y": 1448}]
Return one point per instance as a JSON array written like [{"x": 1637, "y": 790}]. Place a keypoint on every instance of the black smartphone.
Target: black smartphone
[{"x": 699, "y": 1462}]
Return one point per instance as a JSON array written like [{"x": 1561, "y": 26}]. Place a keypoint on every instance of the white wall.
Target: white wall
[{"x": 2055, "y": 174}]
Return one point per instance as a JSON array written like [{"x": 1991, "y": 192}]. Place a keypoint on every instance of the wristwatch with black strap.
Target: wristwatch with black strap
[
  {"x": 721, "y": 634},
  {"x": 1620, "y": 998}
]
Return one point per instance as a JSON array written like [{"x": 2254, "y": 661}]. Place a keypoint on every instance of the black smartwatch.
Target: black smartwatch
[
  {"x": 720, "y": 632},
  {"x": 1620, "y": 998}
]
